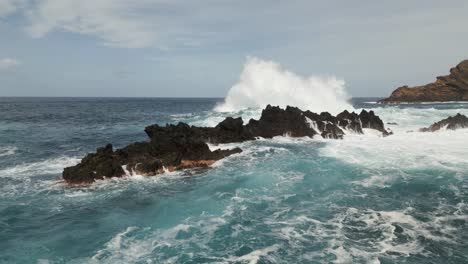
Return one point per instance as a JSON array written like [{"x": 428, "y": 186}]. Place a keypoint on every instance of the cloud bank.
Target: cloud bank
[{"x": 116, "y": 22}]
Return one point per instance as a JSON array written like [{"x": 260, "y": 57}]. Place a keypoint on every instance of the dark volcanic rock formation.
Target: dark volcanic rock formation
[
  {"x": 452, "y": 87},
  {"x": 452, "y": 123},
  {"x": 181, "y": 146},
  {"x": 95, "y": 166}
]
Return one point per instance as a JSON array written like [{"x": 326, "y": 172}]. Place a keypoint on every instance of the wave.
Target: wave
[
  {"x": 444, "y": 150},
  {"x": 135, "y": 243},
  {"x": 254, "y": 256},
  {"x": 7, "y": 151},
  {"x": 350, "y": 235},
  {"x": 365, "y": 235},
  {"x": 50, "y": 166},
  {"x": 266, "y": 82},
  {"x": 407, "y": 149},
  {"x": 412, "y": 118}
]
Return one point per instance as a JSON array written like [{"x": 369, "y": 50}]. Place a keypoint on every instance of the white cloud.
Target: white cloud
[
  {"x": 8, "y": 7},
  {"x": 8, "y": 63},
  {"x": 116, "y": 22}
]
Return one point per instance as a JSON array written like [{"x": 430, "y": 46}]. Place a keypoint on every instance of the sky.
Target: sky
[{"x": 195, "y": 48}]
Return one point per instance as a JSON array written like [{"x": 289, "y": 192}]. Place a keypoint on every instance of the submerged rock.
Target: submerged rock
[
  {"x": 452, "y": 87},
  {"x": 452, "y": 123},
  {"x": 181, "y": 146}
]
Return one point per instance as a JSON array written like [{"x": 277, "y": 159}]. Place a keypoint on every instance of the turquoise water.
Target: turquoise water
[{"x": 364, "y": 199}]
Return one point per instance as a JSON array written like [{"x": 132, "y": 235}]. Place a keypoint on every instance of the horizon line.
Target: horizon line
[{"x": 143, "y": 97}]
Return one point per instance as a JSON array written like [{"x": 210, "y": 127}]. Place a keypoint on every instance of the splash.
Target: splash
[{"x": 266, "y": 82}]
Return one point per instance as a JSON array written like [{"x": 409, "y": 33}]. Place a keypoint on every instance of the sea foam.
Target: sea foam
[
  {"x": 7, "y": 151},
  {"x": 49, "y": 166},
  {"x": 406, "y": 149}
]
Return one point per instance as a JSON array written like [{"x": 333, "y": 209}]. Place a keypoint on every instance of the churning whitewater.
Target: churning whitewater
[{"x": 363, "y": 199}]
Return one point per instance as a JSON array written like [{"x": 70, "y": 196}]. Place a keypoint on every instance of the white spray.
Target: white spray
[{"x": 265, "y": 82}]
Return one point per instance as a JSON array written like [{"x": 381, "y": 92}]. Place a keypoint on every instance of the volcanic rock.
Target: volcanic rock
[
  {"x": 452, "y": 123},
  {"x": 452, "y": 87},
  {"x": 95, "y": 166},
  {"x": 181, "y": 146}
]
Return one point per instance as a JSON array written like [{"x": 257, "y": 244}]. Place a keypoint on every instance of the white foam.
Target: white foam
[
  {"x": 312, "y": 124},
  {"x": 7, "y": 151},
  {"x": 410, "y": 118},
  {"x": 406, "y": 149},
  {"x": 123, "y": 248},
  {"x": 416, "y": 150},
  {"x": 265, "y": 82},
  {"x": 354, "y": 222},
  {"x": 371, "y": 132},
  {"x": 225, "y": 146},
  {"x": 342, "y": 256},
  {"x": 55, "y": 165},
  {"x": 182, "y": 115},
  {"x": 381, "y": 181},
  {"x": 287, "y": 139},
  {"x": 254, "y": 256}
]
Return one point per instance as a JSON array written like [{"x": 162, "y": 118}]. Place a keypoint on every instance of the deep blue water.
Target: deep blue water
[{"x": 365, "y": 199}]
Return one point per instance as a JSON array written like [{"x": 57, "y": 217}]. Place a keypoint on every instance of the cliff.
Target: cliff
[{"x": 452, "y": 87}]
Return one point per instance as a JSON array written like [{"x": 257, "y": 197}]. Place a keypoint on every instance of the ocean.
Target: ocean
[{"x": 363, "y": 199}]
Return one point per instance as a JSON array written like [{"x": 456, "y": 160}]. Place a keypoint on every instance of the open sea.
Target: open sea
[{"x": 364, "y": 199}]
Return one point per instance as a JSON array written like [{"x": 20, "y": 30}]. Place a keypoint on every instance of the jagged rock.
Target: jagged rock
[
  {"x": 103, "y": 163},
  {"x": 181, "y": 146},
  {"x": 452, "y": 87},
  {"x": 452, "y": 123},
  {"x": 350, "y": 121},
  {"x": 275, "y": 121},
  {"x": 370, "y": 120},
  {"x": 229, "y": 130}
]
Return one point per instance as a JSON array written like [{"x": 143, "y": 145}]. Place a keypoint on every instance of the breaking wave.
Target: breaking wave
[
  {"x": 407, "y": 149},
  {"x": 49, "y": 166},
  {"x": 266, "y": 82},
  {"x": 7, "y": 151}
]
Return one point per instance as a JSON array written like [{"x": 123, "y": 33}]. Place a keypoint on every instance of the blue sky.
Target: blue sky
[{"x": 198, "y": 48}]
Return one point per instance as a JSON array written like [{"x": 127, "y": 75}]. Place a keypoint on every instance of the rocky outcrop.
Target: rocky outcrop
[
  {"x": 181, "y": 146},
  {"x": 452, "y": 87},
  {"x": 170, "y": 148},
  {"x": 453, "y": 122},
  {"x": 95, "y": 166}
]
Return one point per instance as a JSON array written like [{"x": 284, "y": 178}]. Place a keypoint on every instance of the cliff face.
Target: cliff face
[{"x": 452, "y": 87}]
